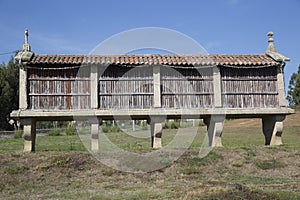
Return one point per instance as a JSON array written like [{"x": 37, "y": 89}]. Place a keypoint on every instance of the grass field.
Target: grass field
[{"x": 244, "y": 168}]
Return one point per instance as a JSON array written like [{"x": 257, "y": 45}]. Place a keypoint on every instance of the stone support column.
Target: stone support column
[
  {"x": 156, "y": 134},
  {"x": 94, "y": 87},
  {"x": 133, "y": 125},
  {"x": 217, "y": 87},
  {"x": 215, "y": 125},
  {"x": 29, "y": 134},
  {"x": 156, "y": 131},
  {"x": 280, "y": 86},
  {"x": 272, "y": 129},
  {"x": 156, "y": 86},
  {"x": 95, "y": 133}
]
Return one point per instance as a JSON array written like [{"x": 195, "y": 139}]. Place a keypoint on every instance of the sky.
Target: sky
[{"x": 220, "y": 26}]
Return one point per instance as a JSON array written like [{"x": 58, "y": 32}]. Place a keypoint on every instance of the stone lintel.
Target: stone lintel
[{"x": 148, "y": 114}]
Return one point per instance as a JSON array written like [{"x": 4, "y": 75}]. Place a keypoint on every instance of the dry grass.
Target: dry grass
[
  {"x": 66, "y": 175},
  {"x": 243, "y": 169}
]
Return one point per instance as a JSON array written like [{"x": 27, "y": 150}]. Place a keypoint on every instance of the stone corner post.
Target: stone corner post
[
  {"x": 280, "y": 86},
  {"x": 23, "y": 87}
]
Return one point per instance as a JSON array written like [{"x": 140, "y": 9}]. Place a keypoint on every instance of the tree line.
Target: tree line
[
  {"x": 293, "y": 95},
  {"x": 9, "y": 91}
]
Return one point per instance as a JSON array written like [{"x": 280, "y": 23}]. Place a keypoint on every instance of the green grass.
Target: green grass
[
  {"x": 59, "y": 143},
  {"x": 11, "y": 145},
  {"x": 61, "y": 168},
  {"x": 47, "y": 143},
  {"x": 15, "y": 169},
  {"x": 241, "y": 137}
]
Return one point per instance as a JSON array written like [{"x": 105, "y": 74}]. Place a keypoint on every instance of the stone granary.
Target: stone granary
[{"x": 152, "y": 87}]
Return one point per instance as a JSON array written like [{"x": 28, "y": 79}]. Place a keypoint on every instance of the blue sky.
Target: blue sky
[{"x": 220, "y": 26}]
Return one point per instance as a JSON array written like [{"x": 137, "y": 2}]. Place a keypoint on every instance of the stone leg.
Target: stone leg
[
  {"x": 156, "y": 133},
  {"x": 29, "y": 135},
  {"x": 214, "y": 129},
  {"x": 133, "y": 125},
  {"x": 95, "y": 134},
  {"x": 272, "y": 129}
]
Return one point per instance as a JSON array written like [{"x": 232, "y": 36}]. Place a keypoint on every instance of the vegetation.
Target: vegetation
[
  {"x": 18, "y": 134},
  {"x": 109, "y": 129},
  {"x": 55, "y": 132},
  {"x": 71, "y": 130},
  {"x": 270, "y": 164},
  {"x": 294, "y": 89},
  {"x": 9, "y": 89},
  {"x": 61, "y": 168}
]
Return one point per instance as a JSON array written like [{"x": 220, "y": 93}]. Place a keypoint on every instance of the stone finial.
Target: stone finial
[
  {"x": 26, "y": 36},
  {"x": 271, "y": 46},
  {"x": 26, "y": 46},
  {"x": 271, "y": 51},
  {"x": 25, "y": 55}
]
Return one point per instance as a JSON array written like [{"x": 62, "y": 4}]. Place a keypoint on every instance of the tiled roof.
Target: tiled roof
[{"x": 156, "y": 59}]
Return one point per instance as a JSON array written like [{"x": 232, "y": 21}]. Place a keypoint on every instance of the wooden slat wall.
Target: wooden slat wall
[
  {"x": 129, "y": 87},
  {"x": 187, "y": 88},
  {"x": 58, "y": 89},
  {"x": 125, "y": 88},
  {"x": 249, "y": 88}
]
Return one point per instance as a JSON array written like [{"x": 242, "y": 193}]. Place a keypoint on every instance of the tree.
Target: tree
[
  {"x": 9, "y": 90},
  {"x": 293, "y": 96}
]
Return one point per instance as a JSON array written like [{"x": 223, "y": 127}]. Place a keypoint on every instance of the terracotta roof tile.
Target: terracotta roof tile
[{"x": 155, "y": 59}]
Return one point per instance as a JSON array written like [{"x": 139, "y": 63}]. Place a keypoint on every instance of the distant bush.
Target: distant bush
[
  {"x": 144, "y": 125},
  {"x": 17, "y": 134},
  {"x": 70, "y": 130},
  {"x": 113, "y": 129},
  {"x": 175, "y": 125},
  {"x": 166, "y": 125},
  {"x": 201, "y": 123},
  {"x": 171, "y": 125},
  {"x": 105, "y": 129},
  {"x": 54, "y": 132}
]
